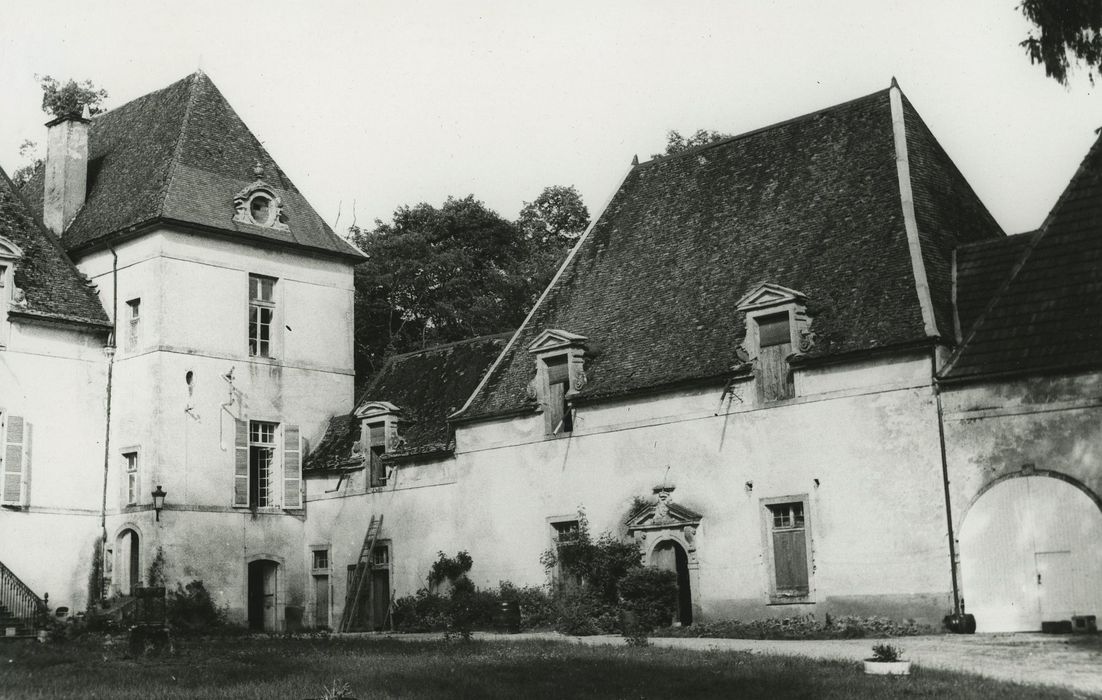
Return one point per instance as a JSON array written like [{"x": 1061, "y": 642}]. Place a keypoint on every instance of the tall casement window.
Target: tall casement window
[
  {"x": 777, "y": 327},
  {"x": 130, "y": 460},
  {"x": 267, "y": 465},
  {"x": 15, "y": 462},
  {"x": 559, "y": 377},
  {"x": 558, "y": 384},
  {"x": 376, "y": 441},
  {"x": 261, "y": 464},
  {"x": 134, "y": 320},
  {"x": 788, "y": 544},
  {"x": 774, "y": 347},
  {"x": 563, "y": 534},
  {"x": 261, "y": 315}
]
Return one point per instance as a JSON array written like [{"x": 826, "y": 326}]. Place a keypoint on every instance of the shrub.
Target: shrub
[
  {"x": 650, "y": 593},
  {"x": 451, "y": 569},
  {"x": 537, "y": 609},
  {"x": 803, "y": 627},
  {"x": 191, "y": 610},
  {"x": 886, "y": 652}
]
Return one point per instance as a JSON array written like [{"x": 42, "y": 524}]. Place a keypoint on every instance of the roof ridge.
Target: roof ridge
[
  {"x": 1022, "y": 235},
  {"x": 753, "y": 132},
  {"x": 178, "y": 148},
  {"x": 147, "y": 95}
]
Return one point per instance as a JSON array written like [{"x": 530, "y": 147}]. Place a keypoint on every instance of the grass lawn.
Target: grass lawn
[{"x": 379, "y": 668}]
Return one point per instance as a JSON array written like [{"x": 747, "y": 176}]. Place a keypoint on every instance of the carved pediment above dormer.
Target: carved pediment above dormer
[
  {"x": 9, "y": 250},
  {"x": 768, "y": 294},
  {"x": 553, "y": 339},
  {"x": 376, "y": 409}
]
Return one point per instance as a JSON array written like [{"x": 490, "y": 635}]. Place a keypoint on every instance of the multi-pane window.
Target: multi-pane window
[
  {"x": 131, "y": 461},
  {"x": 134, "y": 320},
  {"x": 321, "y": 560},
  {"x": 564, "y": 532},
  {"x": 558, "y": 384},
  {"x": 788, "y": 539},
  {"x": 262, "y": 445},
  {"x": 261, "y": 315}
]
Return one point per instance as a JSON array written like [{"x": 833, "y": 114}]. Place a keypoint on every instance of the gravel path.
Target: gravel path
[{"x": 1022, "y": 658}]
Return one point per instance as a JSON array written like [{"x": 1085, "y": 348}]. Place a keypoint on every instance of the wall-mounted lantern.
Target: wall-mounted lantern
[{"x": 159, "y": 501}]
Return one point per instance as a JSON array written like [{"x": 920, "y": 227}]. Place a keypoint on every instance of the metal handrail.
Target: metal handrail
[{"x": 20, "y": 601}]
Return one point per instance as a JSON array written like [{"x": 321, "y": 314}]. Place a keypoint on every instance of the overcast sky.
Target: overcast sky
[{"x": 391, "y": 103}]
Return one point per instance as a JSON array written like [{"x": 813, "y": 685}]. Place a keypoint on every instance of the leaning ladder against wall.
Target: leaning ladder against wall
[{"x": 362, "y": 573}]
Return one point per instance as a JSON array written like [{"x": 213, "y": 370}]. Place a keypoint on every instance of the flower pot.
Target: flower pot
[{"x": 887, "y": 668}]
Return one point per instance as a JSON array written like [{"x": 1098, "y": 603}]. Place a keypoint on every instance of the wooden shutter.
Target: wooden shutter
[
  {"x": 776, "y": 377},
  {"x": 13, "y": 491},
  {"x": 292, "y": 467},
  {"x": 558, "y": 371},
  {"x": 790, "y": 560},
  {"x": 241, "y": 464}
]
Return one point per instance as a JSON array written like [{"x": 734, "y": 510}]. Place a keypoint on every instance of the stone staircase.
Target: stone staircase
[{"x": 21, "y": 611}]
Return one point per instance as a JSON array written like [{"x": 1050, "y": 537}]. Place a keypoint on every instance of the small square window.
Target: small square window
[
  {"x": 321, "y": 560},
  {"x": 134, "y": 318}
]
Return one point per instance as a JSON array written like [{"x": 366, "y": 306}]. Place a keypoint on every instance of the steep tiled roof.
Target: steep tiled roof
[
  {"x": 427, "y": 386},
  {"x": 812, "y": 204},
  {"x": 180, "y": 154},
  {"x": 1048, "y": 316},
  {"x": 53, "y": 288},
  {"x": 981, "y": 270}
]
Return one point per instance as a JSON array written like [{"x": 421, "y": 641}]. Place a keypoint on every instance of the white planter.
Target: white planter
[{"x": 887, "y": 668}]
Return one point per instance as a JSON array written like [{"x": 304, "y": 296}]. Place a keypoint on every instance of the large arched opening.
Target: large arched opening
[{"x": 1031, "y": 552}]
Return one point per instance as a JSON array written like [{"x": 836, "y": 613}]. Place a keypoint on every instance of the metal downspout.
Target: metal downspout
[
  {"x": 110, "y": 352},
  {"x": 948, "y": 502}
]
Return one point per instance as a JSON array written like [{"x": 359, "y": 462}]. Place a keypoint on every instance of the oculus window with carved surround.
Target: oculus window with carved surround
[{"x": 258, "y": 205}]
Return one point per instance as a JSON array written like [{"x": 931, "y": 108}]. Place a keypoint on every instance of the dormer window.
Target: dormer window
[
  {"x": 258, "y": 205},
  {"x": 9, "y": 256},
  {"x": 559, "y": 376},
  {"x": 776, "y": 328},
  {"x": 378, "y": 437}
]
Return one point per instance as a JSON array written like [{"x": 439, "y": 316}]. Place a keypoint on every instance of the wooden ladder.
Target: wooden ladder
[{"x": 361, "y": 574}]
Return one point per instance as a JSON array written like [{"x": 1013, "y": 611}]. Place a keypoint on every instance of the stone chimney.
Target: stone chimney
[{"x": 66, "y": 170}]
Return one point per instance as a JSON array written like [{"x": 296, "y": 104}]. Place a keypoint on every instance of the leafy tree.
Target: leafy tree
[
  {"x": 557, "y": 217},
  {"x": 1064, "y": 30},
  {"x": 62, "y": 99},
  {"x": 437, "y": 275},
  {"x": 28, "y": 152},
  {"x": 676, "y": 143}
]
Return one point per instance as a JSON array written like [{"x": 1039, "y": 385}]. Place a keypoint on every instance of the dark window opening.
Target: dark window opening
[
  {"x": 558, "y": 384},
  {"x": 376, "y": 450},
  {"x": 259, "y": 209}
]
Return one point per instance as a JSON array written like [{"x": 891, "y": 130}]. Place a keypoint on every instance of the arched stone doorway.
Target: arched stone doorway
[
  {"x": 670, "y": 555},
  {"x": 666, "y": 533},
  {"x": 128, "y": 561},
  {"x": 263, "y": 595},
  {"x": 1031, "y": 552}
]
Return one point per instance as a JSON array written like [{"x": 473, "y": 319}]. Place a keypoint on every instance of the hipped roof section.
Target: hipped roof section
[
  {"x": 54, "y": 289},
  {"x": 812, "y": 203},
  {"x": 1047, "y": 314},
  {"x": 179, "y": 155},
  {"x": 427, "y": 386}
]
